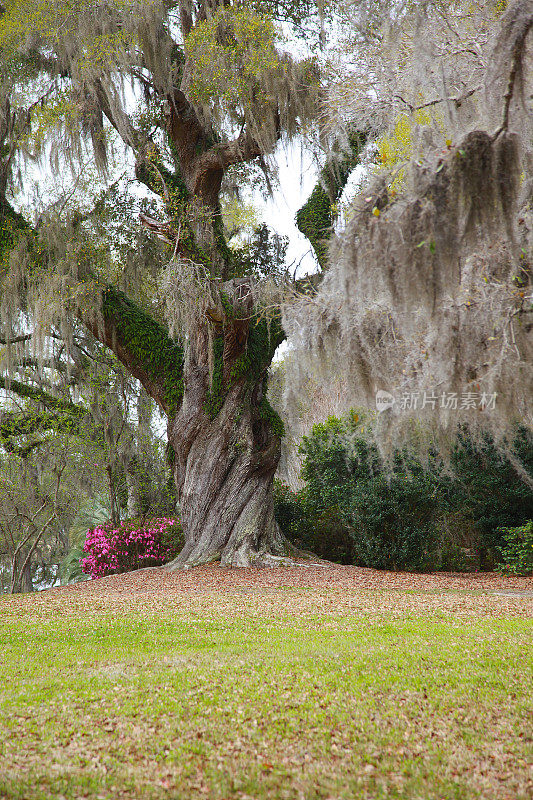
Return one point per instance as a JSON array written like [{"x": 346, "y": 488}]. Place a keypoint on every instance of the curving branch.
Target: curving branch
[
  {"x": 143, "y": 345},
  {"x": 16, "y": 339},
  {"x": 222, "y": 156},
  {"x": 457, "y": 100},
  {"x": 518, "y": 27},
  {"x": 15, "y": 424},
  {"x": 137, "y": 340},
  {"x": 38, "y": 396},
  {"x": 315, "y": 218}
]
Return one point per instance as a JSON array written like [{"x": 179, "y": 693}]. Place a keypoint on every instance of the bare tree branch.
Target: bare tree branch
[
  {"x": 457, "y": 101},
  {"x": 516, "y": 66},
  {"x": 16, "y": 339}
]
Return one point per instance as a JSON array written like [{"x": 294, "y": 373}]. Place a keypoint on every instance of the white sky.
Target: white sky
[{"x": 297, "y": 178}]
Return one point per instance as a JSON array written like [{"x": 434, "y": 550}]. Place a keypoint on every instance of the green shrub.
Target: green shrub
[
  {"x": 406, "y": 515},
  {"x": 330, "y": 537},
  {"x": 488, "y": 491},
  {"x": 320, "y": 532},
  {"x": 517, "y": 552},
  {"x": 390, "y": 515},
  {"x": 394, "y": 520}
]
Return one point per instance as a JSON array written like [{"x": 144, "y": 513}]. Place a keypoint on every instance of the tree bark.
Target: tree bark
[
  {"x": 26, "y": 579},
  {"x": 226, "y": 441},
  {"x": 224, "y": 472}
]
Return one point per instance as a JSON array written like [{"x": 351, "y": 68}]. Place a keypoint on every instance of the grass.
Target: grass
[{"x": 160, "y": 698}]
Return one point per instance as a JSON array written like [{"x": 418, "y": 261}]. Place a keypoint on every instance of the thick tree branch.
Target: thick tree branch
[
  {"x": 315, "y": 218},
  {"x": 14, "y": 424},
  {"x": 38, "y": 396},
  {"x": 186, "y": 21},
  {"x": 22, "y": 451},
  {"x": 16, "y": 339},
  {"x": 143, "y": 346},
  {"x": 60, "y": 415},
  {"x": 118, "y": 119},
  {"x": 210, "y": 166},
  {"x": 186, "y": 132},
  {"x": 164, "y": 230}
]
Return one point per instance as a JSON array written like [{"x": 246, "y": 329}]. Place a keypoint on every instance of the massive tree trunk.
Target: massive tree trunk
[
  {"x": 223, "y": 433},
  {"x": 226, "y": 439},
  {"x": 224, "y": 472}
]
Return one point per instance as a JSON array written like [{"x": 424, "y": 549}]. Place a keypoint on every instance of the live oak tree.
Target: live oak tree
[{"x": 196, "y": 92}]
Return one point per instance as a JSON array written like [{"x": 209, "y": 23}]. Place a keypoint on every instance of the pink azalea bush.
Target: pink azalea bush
[{"x": 131, "y": 545}]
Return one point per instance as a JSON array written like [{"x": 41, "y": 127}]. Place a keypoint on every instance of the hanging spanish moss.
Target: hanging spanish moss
[
  {"x": 237, "y": 72},
  {"x": 427, "y": 304}
]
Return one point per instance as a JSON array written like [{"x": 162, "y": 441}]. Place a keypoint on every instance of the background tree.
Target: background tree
[
  {"x": 430, "y": 290},
  {"x": 82, "y": 425}
]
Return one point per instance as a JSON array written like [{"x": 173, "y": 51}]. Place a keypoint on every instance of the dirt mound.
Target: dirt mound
[{"x": 214, "y": 578}]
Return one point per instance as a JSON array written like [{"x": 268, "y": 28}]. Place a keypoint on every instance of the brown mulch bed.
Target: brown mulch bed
[
  {"x": 302, "y": 590},
  {"x": 215, "y": 578}
]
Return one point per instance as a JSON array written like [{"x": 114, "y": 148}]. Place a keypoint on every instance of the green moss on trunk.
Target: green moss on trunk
[
  {"x": 150, "y": 344},
  {"x": 267, "y": 414},
  {"x": 263, "y": 339},
  {"x": 315, "y": 218},
  {"x": 215, "y": 397}
]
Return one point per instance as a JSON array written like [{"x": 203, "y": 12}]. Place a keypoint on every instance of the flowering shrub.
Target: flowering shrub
[{"x": 131, "y": 545}]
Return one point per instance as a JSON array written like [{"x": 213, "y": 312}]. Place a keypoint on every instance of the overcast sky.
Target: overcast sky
[{"x": 297, "y": 178}]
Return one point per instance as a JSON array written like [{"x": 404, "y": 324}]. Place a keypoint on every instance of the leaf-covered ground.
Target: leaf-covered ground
[{"x": 305, "y": 682}]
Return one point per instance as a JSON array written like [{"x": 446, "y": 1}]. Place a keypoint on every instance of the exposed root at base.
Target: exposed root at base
[{"x": 299, "y": 558}]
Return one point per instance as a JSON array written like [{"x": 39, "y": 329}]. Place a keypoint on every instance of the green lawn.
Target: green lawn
[{"x": 156, "y": 699}]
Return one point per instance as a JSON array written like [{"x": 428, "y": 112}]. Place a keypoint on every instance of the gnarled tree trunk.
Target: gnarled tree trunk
[
  {"x": 226, "y": 439},
  {"x": 224, "y": 472}
]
